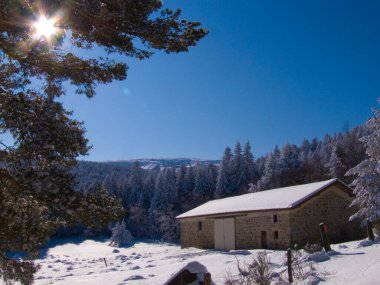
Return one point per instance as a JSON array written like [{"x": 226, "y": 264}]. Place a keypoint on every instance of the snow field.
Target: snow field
[{"x": 154, "y": 263}]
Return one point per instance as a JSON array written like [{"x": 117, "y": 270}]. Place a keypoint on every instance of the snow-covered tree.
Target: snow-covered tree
[
  {"x": 223, "y": 184},
  {"x": 238, "y": 173},
  {"x": 267, "y": 181},
  {"x": 188, "y": 184},
  {"x": 290, "y": 166},
  {"x": 120, "y": 235},
  {"x": 249, "y": 166},
  {"x": 337, "y": 167},
  {"x": 367, "y": 182},
  {"x": 136, "y": 183},
  {"x": 203, "y": 188}
]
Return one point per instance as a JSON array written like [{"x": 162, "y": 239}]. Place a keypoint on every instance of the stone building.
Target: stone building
[{"x": 275, "y": 219}]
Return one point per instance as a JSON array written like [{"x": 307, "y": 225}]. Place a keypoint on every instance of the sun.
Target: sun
[{"x": 44, "y": 28}]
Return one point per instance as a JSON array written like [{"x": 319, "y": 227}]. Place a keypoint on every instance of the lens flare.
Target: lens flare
[{"x": 44, "y": 28}]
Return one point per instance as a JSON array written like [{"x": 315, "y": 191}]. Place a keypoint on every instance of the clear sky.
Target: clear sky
[{"x": 272, "y": 72}]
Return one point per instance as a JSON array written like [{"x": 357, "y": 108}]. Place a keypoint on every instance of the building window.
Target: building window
[
  {"x": 274, "y": 218},
  {"x": 275, "y": 234},
  {"x": 199, "y": 226}
]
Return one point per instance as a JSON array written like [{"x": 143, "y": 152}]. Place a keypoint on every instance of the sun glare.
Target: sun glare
[{"x": 44, "y": 27}]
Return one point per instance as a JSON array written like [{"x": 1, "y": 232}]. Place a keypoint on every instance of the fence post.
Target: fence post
[
  {"x": 325, "y": 238},
  {"x": 289, "y": 258},
  {"x": 370, "y": 231}
]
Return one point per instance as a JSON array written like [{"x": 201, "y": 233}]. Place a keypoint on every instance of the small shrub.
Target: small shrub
[
  {"x": 312, "y": 248},
  {"x": 257, "y": 272},
  {"x": 120, "y": 235},
  {"x": 301, "y": 268}
]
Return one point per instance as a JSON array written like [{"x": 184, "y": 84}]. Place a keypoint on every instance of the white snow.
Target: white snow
[
  {"x": 280, "y": 198},
  {"x": 83, "y": 262}
]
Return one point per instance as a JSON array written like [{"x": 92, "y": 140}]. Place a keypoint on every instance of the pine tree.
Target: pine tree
[
  {"x": 267, "y": 181},
  {"x": 46, "y": 140},
  {"x": 367, "y": 182},
  {"x": 188, "y": 186},
  {"x": 337, "y": 167},
  {"x": 223, "y": 184},
  {"x": 180, "y": 179},
  {"x": 203, "y": 188},
  {"x": 136, "y": 184},
  {"x": 238, "y": 174},
  {"x": 290, "y": 165},
  {"x": 162, "y": 207},
  {"x": 249, "y": 167}
]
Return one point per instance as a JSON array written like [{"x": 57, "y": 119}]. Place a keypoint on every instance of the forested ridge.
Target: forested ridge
[{"x": 154, "y": 197}]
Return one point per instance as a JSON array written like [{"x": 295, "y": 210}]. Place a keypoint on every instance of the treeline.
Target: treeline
[
  {"x": 155, "y": 197},
  {"x": 313, "y": 161}
]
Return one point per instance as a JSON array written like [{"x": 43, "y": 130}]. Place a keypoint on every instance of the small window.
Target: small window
[
  {"x": 275, "y": 234},
  {"x": 274, "y": 218},
  {"x": 199, "y": 226}
]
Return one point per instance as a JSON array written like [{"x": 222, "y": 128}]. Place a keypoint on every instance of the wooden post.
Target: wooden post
[
  {"x": 324, "y": 236},
  {"x": 207, "y": 278},
  {"x": 289, "y": 258},
  {"x": 370, "y": 231},
  {"x": 105, "y": 262}
]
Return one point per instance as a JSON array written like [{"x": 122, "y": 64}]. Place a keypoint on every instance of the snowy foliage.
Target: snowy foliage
[
  {"x": 120, "y": 235},
  {"x": 367, "y": 181},
  {"x": 154, "y": 197}
]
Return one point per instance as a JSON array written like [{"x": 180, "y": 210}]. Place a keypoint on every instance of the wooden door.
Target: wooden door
[
  {"x": 264, "y": 239},
  {"x": 229, "y": 234},
  {"x": 219, "y": 234},
  {"x": 224, "y": 234}
]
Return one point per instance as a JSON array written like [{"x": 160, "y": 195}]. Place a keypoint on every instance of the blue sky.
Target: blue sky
[{"x": 272, "y": 72}]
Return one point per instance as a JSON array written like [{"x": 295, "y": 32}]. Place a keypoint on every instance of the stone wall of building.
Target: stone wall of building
[
  {"x": 249, "y": 230},
  {"x": 331, "y": 207},
  {"x": 298, "y": 225},
  {"x": 194, "y": 234}
]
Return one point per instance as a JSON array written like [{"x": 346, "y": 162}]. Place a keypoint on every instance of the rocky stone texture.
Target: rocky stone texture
[
  {"x": 331, "y": 207},
  {"x": 193, "y": 236},
  {"x": 249, "y": 230}
]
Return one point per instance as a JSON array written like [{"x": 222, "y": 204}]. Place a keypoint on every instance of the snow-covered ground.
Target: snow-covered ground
[{"x": 83, "y": 262}]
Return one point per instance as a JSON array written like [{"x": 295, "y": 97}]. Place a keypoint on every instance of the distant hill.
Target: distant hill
[
  {"x": 115, "y": 174},
  {"x": 154, "y": 163}
]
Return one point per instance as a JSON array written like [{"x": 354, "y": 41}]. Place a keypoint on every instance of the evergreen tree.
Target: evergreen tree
[
  {"x": 203, "y": 189},
  {"x": 249, "y": 167},
  {"x": 238, "y": 174},
  {"x": 212, "y": 174},
  {"x": 267, "y": 181},
  {"x": 46, "y": 141},
  {"x": 180, "y": 179},
  {"x": 337, "y": 167},
  {"x": 186, "y": 198},
  {"x": 162, "y": 211},
  {"x": 223, "y": 184},
  {"x": 188, "y": 184},
  {"x": 136, "y": 184},
  {"x": 290, "y": 166},
  {"x": 367, "y": 182}
]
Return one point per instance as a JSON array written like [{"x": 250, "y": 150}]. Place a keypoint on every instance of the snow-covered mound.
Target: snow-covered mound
[{"x": 94, "y": 262}]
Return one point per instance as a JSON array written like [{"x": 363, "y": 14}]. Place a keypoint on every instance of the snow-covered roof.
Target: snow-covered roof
[{"x": 280, "y": 198}]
